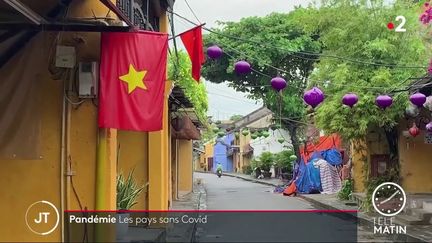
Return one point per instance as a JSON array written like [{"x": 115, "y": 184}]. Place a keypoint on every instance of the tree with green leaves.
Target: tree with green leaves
[
  {"x": 362, "y": 56},
  {"x": 372, "y": 61},
  {"x": 179, "y": 70},
  {"x": 272, "y": 46}
]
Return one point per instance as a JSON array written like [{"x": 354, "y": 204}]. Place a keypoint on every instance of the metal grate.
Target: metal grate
[
  {"x": 139, "y": 17},
  {"x": 136, "y": 11},
  {"x": 125, "y": 6}
]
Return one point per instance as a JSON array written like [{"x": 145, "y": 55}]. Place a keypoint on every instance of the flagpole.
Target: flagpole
[{"x": 201, "y": 25}]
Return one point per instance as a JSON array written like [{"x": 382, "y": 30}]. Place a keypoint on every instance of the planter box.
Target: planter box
[{"x": 121, "y": 228}]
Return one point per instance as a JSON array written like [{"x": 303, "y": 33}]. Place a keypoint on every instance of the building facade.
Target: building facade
[{"x": 53, "y": 150}]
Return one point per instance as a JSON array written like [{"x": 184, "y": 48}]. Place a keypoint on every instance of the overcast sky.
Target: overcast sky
[{"x": 224, "y": 101}]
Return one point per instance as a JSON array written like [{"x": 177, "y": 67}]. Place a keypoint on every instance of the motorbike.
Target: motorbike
[{"x": 219, "y": 173}]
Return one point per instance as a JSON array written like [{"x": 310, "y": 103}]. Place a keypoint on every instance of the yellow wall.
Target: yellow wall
[
  {"x": 27, "y": 181},
  {"x": 358, "y": 172},
  {"x": 133, "y": 155},
  {"x": 185, "y": 171},
  {"x": 159, "y": 165},
  {"x": 244, "y": 159},
  {"x": 33, "y": 180},
  {"x": 93, "y": 150},
  {"x": 377, "y": 142},
  {"x": 414, "y": 158},
  {"x": 200, "y": 163},
  {"x": 416, "y": 162},
  {"x": 82, "y": 154},
  {"x": 208, "y": 153},
  {"x": 36, "y": 180}
]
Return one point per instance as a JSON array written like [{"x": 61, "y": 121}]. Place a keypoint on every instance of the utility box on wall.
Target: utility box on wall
[
  {"x": 65, "y": 57},
  {"x": 88, "y": 76}
]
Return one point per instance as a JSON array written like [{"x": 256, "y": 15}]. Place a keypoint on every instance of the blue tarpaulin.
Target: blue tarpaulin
[
  {"x": 332, "y": 156},
  {"x": 309, "y": 180},
  {"x": 305, "y": 176}
]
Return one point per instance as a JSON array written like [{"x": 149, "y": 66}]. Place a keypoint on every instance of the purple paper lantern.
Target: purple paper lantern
[
  {"x": 384, "y": 101},
  {"x": 242, "y": 67},
  {"x": 313, "y": 97},
  {"x": 429, "y": 127},
  {"x": 350, "y": 99},
  {"x": 418, "y": 99},
  {"x": 278, "y": 83},
  {"x": 214, "y": 52}
]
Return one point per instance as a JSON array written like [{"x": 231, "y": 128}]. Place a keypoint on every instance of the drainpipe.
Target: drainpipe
[{"x": 62, "y": 162}]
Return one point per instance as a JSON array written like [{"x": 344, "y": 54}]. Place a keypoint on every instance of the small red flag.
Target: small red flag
[
  {"x": 192, "y": 40},
  {"x": 132, "y": 80}
]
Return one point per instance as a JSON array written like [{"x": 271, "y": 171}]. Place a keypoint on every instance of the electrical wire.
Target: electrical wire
[
  {"x": 193, "y": 12},
  {"x": 177, "y": 62},
  {"x": 232, "y": 97},
  {"x": 310, "y": 54},
  {"x": 64, "y": 79},
  {"x": 263, "y": 43},
  {"x": 281, "y": 70},
  {"x": 306, "y": 78},
  {"x": 224, "y": 91},
  {"x": 184, "y": 110},
  {"x": 85, "y": 235}
]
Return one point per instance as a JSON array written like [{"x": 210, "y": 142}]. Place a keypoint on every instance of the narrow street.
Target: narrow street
[{"x": 229, "y": 193}]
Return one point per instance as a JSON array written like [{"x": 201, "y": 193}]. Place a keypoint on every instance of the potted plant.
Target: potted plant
[{"x": 127, "y": 193}]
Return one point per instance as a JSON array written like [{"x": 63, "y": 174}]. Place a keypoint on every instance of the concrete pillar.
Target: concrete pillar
[
  {"x": 159, "y": 151},
  {"x": 106, "y": 172}
]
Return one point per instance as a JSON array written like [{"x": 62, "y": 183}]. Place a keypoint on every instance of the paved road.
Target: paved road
[{"x": 229, "y": 193}]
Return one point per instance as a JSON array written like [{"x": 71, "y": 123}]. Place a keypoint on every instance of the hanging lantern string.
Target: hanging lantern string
[
  {"x": 193, "y": 12},
  {"x": 415, "y": 86},
  {"x": 262, "y": 43},
  {"x": 322, "y": 55},
  {"x": 317, "y": 81},
  {"x": 314, "y": 80},
  {"x": 280, "y": 108},
  {"x": 254, "y": 70},
  {"x": 293, "y": 119},
  {"x": 398, "y": 93},
  {"x": 262, "y": 74}
]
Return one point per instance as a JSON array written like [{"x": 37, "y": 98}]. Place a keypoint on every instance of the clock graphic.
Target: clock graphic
[{"x": 389, "y": 199}]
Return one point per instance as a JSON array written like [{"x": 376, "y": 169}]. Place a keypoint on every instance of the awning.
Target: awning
[
  {"x": 247, "y": 149},
  {"x": 183, "y": 128},
  {"x": 180, "y": 105},
  {"x": 200, "y": 151}
]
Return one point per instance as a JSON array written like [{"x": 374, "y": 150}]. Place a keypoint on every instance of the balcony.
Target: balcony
[
  {"x": 142, "y": 13},
  {"x": 232, "y": 150}
]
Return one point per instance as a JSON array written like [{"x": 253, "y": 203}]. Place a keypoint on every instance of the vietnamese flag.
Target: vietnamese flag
[
  {"x": 132, "y": 80},
  {"x": 192, "y": 40}
]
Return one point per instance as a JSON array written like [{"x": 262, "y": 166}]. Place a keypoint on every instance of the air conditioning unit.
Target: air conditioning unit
[{"x": 88, "y": 76}]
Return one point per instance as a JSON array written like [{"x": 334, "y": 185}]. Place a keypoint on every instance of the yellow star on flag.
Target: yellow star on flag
[{"x": 134, "y": 79}]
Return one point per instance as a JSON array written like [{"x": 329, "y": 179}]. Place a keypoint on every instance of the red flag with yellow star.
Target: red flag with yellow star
[{"x": 132, "y": 80}]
